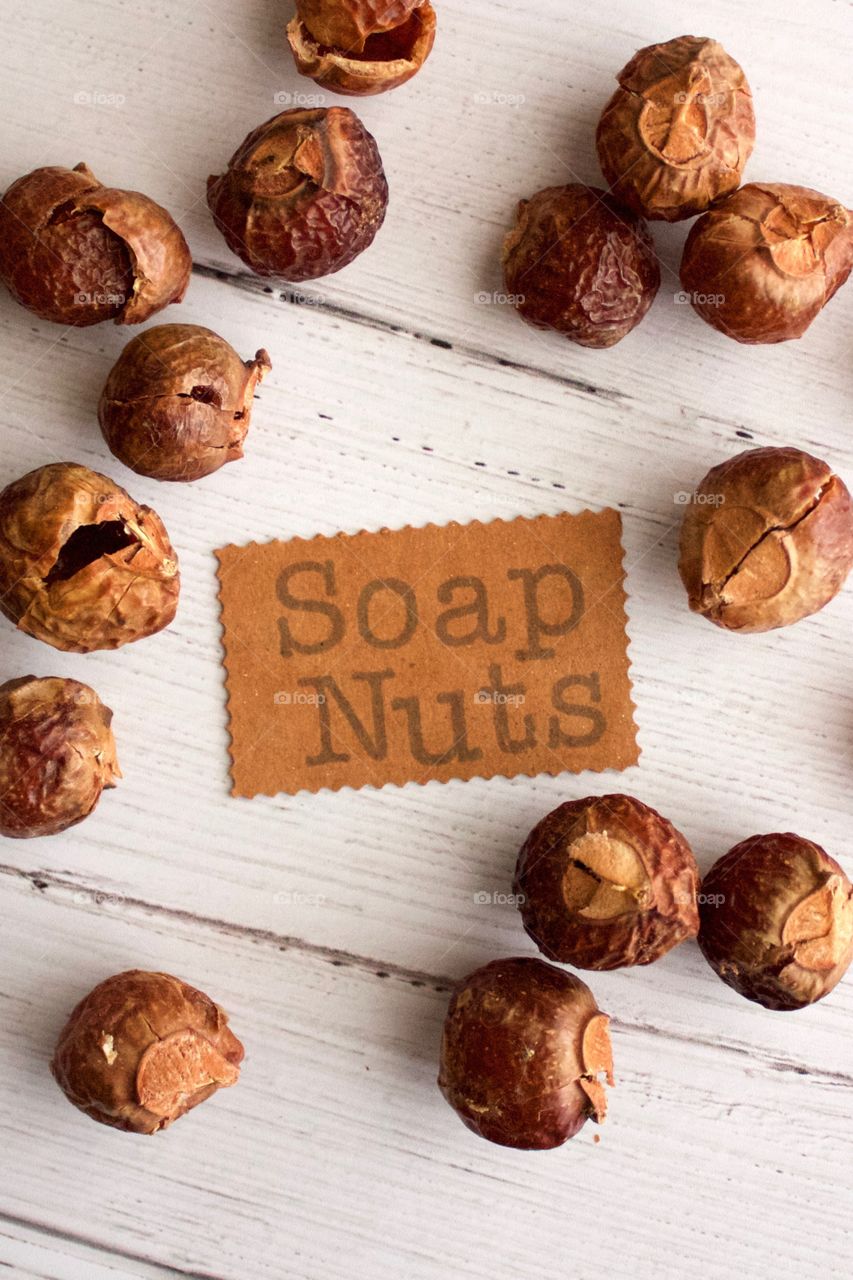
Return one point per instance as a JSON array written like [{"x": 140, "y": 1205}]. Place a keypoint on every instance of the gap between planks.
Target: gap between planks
[
  {"x": 63, "y": 889},
  {"x": 153, "y": 1268},
  {"x": 291, "y": 294}
]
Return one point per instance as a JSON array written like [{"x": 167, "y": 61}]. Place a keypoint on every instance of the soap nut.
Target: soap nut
[
  {"x": 607, "y": 882},
  {"x": 76, "y": 252},
  {"x": 524, "y": 1050},
  {"x": 142, "y": 1049},
  {"x": 178, "y": 402},
  {"x": 777, "y": 921}
]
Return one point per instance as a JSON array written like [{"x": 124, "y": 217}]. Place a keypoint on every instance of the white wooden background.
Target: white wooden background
[{"x": 331, "y": 926}]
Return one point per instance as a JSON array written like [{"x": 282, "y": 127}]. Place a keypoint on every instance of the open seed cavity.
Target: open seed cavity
[
  {"x": 87, "y": 544},
  {"x": 604, "y": 877}
]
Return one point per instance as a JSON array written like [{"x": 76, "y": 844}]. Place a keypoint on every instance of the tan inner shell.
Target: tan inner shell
[
  {"x": 798, "y": 238},
  {"x": 743, "y": 561},
  {"x": 604, "y": 878},
  {"x": 597, "y": 1057},
  {"x": 820, "y": 928},
  {"x": 172, "y": 1071},
  {"x": 679, "y": 119}
]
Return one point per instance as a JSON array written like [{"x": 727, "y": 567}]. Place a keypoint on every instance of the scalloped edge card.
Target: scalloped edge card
[{"x": 447, "y": 651}]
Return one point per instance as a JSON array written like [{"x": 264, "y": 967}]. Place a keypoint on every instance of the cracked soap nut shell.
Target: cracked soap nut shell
[
  {"x": 763, "y": 264},
  {"x": 76, "y": 252},
  {"x": 57, "y": 754},
  {"x": 142, "y": 1049},
  {"x": 83, "y": 566},
  {"x": 577, "y": 263},
  {"x": 178, "y": 402},
  {"x": 777, "y": 921},
  {"x": 607, "y": 882},
  {"x": 766, "y": 540},
  {"x": 522, "y": 1054},
  {"x": 361, "y": 47},
  {"x": 677, "y": 133},
  {"x": 303, "y": 195}
]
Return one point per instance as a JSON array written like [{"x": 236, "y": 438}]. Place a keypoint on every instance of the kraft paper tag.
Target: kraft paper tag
[{"x": 450, "y": 651}]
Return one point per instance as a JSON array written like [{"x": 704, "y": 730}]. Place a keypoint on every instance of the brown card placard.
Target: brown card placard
[{"x": 448, "y": 651}]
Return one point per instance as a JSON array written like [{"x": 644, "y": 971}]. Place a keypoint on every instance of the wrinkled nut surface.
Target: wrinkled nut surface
[
  {"x": 577, "y": 263},
  {"x": 763, "y": 264},
  {"x": 524, "y": 1049},
  {"x": 361, "y": 47},
  {"x": 303, "y": 195},
  {"x": 677, "y": 133},
  {"x": 777, "y": 921},
  {"x": 142, "y": 1049},
  {"x": 76, "y": 252},
  {"x": 83, "y": 566},
  {"x": 766, "y": 540},
  {"x": 57, "y": 754},
  {"x": 607, "y": 882},
  {"x": 178, "y": 402}
]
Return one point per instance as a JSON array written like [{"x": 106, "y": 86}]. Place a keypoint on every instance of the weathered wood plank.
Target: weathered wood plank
[
  {"x": 335, "y": 1155},
  {"x": 394, "y": 874},
  {"x": 398, "y": 397},
  {"x": 30, "y": 1252}
]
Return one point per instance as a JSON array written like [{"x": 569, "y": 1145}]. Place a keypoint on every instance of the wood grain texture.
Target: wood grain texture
[
  {"x": 398, "y": 397},
  {"x": 30, "y": 1252},
  {"x": 335, "y": 1155}
]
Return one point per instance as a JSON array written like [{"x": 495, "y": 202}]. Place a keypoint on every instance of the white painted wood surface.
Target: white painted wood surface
[{"x": 331, "y": 926}]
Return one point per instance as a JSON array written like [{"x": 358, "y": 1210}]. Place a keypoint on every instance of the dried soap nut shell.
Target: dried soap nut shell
[
  {"x": 178, "y": 402},
  {"x": 57, "y": 754},
  {"x": 361, "y": 47},
  {"x": 302, "y": 196},
  {"x": 577, "y": 263},
  {"x": 762, "y": 265},
  {"x": 523, "y": 1052},
  {"x": 777, "y": 921},
  {"x": 142, "y": 1049},
  {"x": 351, "y": 24},
  {"x": 607, "y": 882},
  {"x": 767, "y": 540},
  {"x": 83, "y": 566},
  {"x": 677, "y": 133},
  {"x": 76, "y": 252}
]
